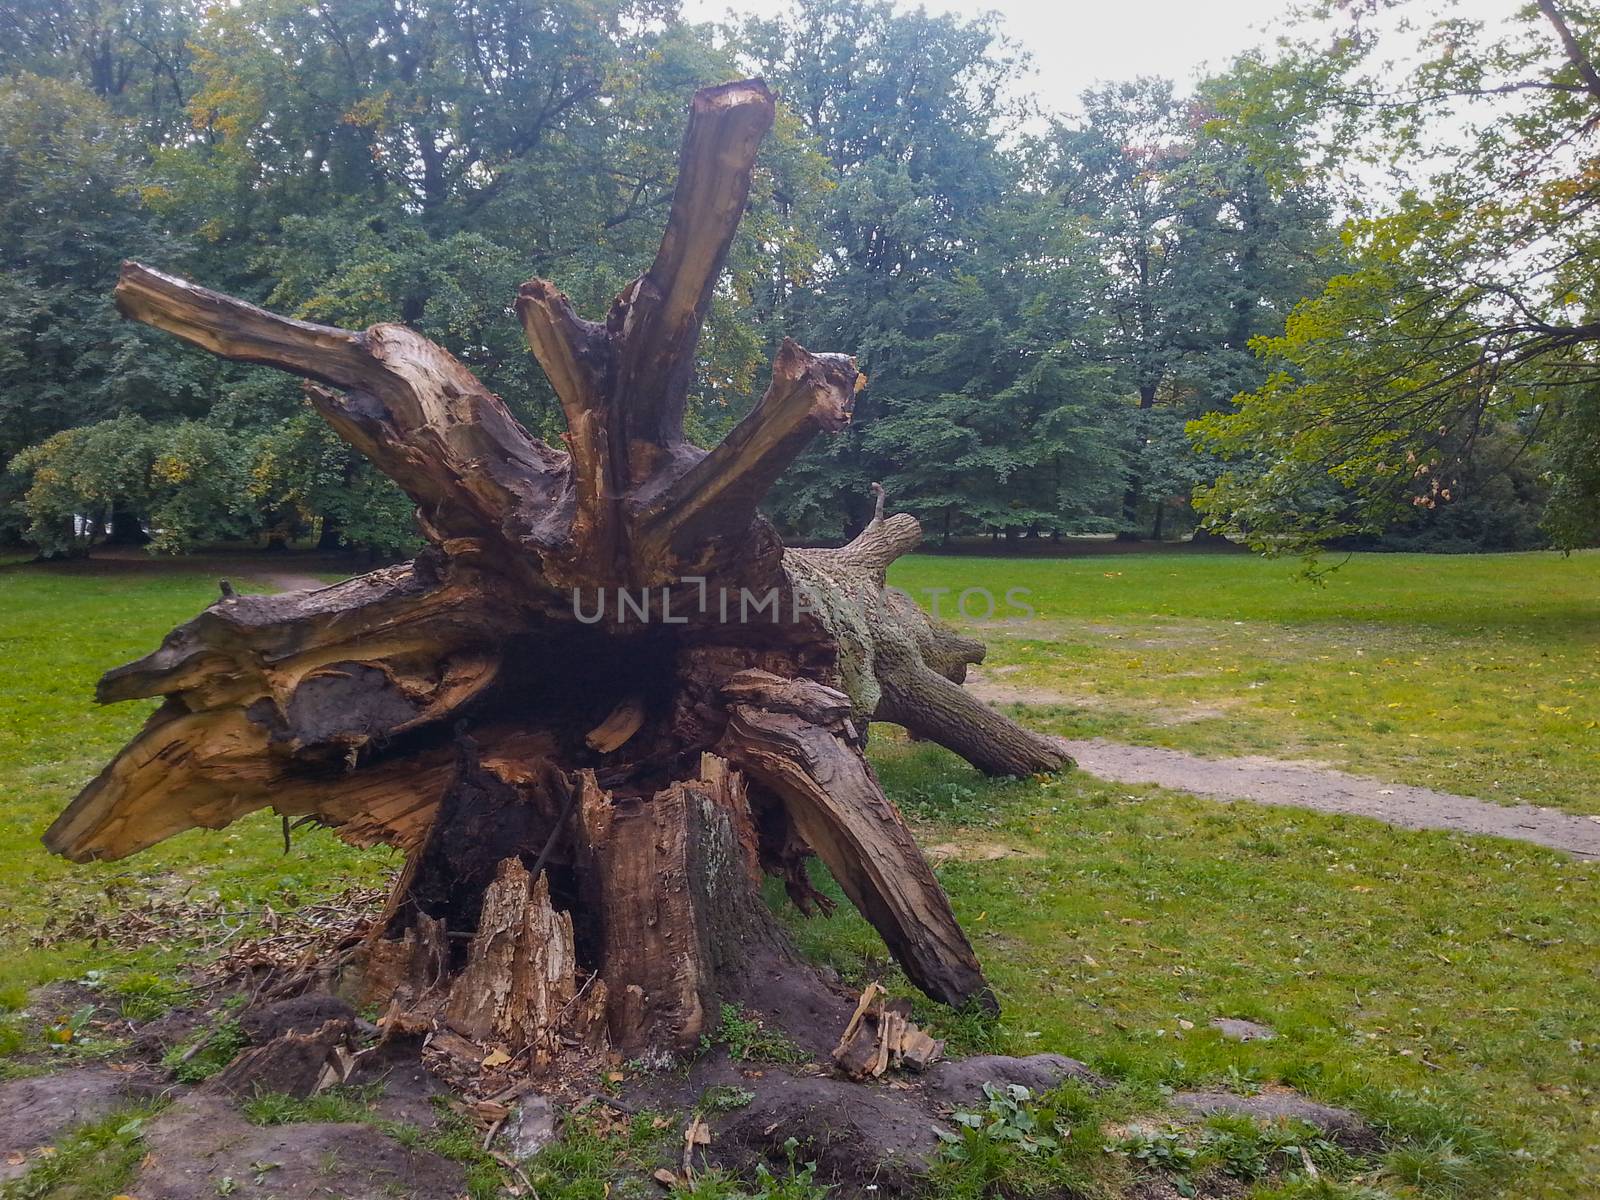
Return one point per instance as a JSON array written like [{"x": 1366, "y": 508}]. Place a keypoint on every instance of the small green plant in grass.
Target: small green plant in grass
[
  {"x": 1006, "y": 1117},
  {"x": 971, "y": 1029},
  {"x": 1163, "y": 1150},
  {"x": 749, "y": 1040},
  {"x": 342, "y": 1104},
  {"x": 1437, "y": 1167},
  {"x": 1242, "y": 1081},
  {"x": 456, "y": 1138},
  {"x": 144, "y": 997},
  {"x": 94, "y": 1161},
  {"x": 71, "y": 1028},
  {"x": 1019, "y": 1145},
  {"x": 960, "y": 803},
  {"x": 207, "y": 1053},
  {"x": 596, "y": 1160},
  {"x": 724, "y": 1098},
  {"x": 1305, "y": 1187},
  {"x": 13, "y": 1036},
  {"x": 799, "y": 1182},
  {"x": 1249, "y": 1150}
]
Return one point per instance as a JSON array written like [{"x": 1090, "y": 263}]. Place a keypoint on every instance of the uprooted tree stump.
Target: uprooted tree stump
[{"x": 603, "y": 701}]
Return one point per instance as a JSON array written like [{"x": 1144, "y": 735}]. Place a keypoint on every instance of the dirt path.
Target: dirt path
[{"x": 1270, "y": 781}]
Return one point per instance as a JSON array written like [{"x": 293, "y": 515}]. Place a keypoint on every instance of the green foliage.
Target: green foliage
[
  {"x": 1250, "y": 1150},
  {"x": 144, "y": 996},
  {"x": 206, "y": 1053},
  {"x": 749, "y": 1040},
  {"x": 1464, "y": 313},
  {"x": 1019, "y": 1144},
  {"x": 70, "y": 210},
  {"x": 1054, "y": 319},
  {"x": 724, "y": 1098},
  {"x": 415, "y": 171},
  {"x": 1435, "y": 1168},
  {"x": 592, "y": 1160},
  {"x": 334, "y": 1104},
  {"x": 1006, "y": 1117},
  {"x": 1163, "y": 1150}
]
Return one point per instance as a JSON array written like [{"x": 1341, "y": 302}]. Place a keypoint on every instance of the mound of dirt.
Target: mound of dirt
[
  {"x": 36, "y": 1110},
  {"x": 1280, "y": 1104},
  {"x": 857, "y": 1134},
  {"x": 201, "y": 1143},
  {"x": 961, "y": 1080},
  {"x": 263, "y": 1023},
  {"x": 874, "y": 1138}
]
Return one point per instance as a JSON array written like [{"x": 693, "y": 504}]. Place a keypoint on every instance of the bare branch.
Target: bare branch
[
  {"x": 719, "y": 494},
  {"x": 656, "y": 320},
  {"x": 421, "y": 416}
]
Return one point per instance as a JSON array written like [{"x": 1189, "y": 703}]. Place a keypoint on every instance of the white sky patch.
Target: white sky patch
[{"x": 1075, "y": 45}]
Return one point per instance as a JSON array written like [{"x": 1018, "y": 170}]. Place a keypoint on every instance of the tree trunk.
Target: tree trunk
[
  {"x": 604, "y": 700},
  {"x": 126, "y": 529}
]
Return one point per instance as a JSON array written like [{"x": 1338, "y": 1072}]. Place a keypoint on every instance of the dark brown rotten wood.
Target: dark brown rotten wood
[{"x": 564, "y": 710}]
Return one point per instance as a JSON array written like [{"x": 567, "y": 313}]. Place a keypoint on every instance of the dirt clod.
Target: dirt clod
[
  {"x": 858, "y": 1134},
  {"x": 299, "y": 1014},
  {"x": 960, "y": 1081},
  {"x": 36, "y": 1110},
  {"x": 291, "y": 1064}
]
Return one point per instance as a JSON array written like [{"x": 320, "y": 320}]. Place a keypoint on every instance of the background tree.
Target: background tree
[
  {"x": 908, "y": 110},
  {"x": 1467, "y": 313},
  {"x": 1207, "y": 242}
]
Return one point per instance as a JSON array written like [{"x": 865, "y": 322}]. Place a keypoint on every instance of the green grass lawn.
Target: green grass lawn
[
  {"x": 60, "y": 628},
  {"x": 1447, "y": 987},
  {"x": 1477, "y": 674}
]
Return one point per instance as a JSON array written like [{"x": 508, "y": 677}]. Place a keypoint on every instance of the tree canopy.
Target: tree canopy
[
  {"x": 1328, "y": 296},
  {"x": 1460, "y": 337}
]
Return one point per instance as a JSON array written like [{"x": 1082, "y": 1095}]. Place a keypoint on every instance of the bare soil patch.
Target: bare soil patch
[
  {"x": 201, "y": 1143},
  {"x": 37, "y": 1109}
]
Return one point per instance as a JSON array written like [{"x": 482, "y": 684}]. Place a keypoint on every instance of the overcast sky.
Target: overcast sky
[{"x": 1073, "y": 45}]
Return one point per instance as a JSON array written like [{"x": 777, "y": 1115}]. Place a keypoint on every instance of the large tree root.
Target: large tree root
[{"x": 602, "y": 703}]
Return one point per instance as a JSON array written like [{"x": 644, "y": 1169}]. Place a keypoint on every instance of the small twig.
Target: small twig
[
  {"x": 488, "y": 1138},
  {"x": 594, "y": 1098},
  {"x": 1311, "y": 1167},
  {"x": 199, "y": 1045},
  {"x": 555, "y": 834},
  {"x": 510, "y": 1164}
]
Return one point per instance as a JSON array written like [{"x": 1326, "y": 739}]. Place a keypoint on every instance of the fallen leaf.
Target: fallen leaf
[{"x": 495, "y": 1058}]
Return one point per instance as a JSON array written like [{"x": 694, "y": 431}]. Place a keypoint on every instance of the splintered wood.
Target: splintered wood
[
  {"x": 880, "y": 1036},
  {"x": 616, "y": 729},
  {"x": 522, "y": 970}
]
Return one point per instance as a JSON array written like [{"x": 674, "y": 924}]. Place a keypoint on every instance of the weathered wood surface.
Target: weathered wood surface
[{"x": 573, "y": 847}]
